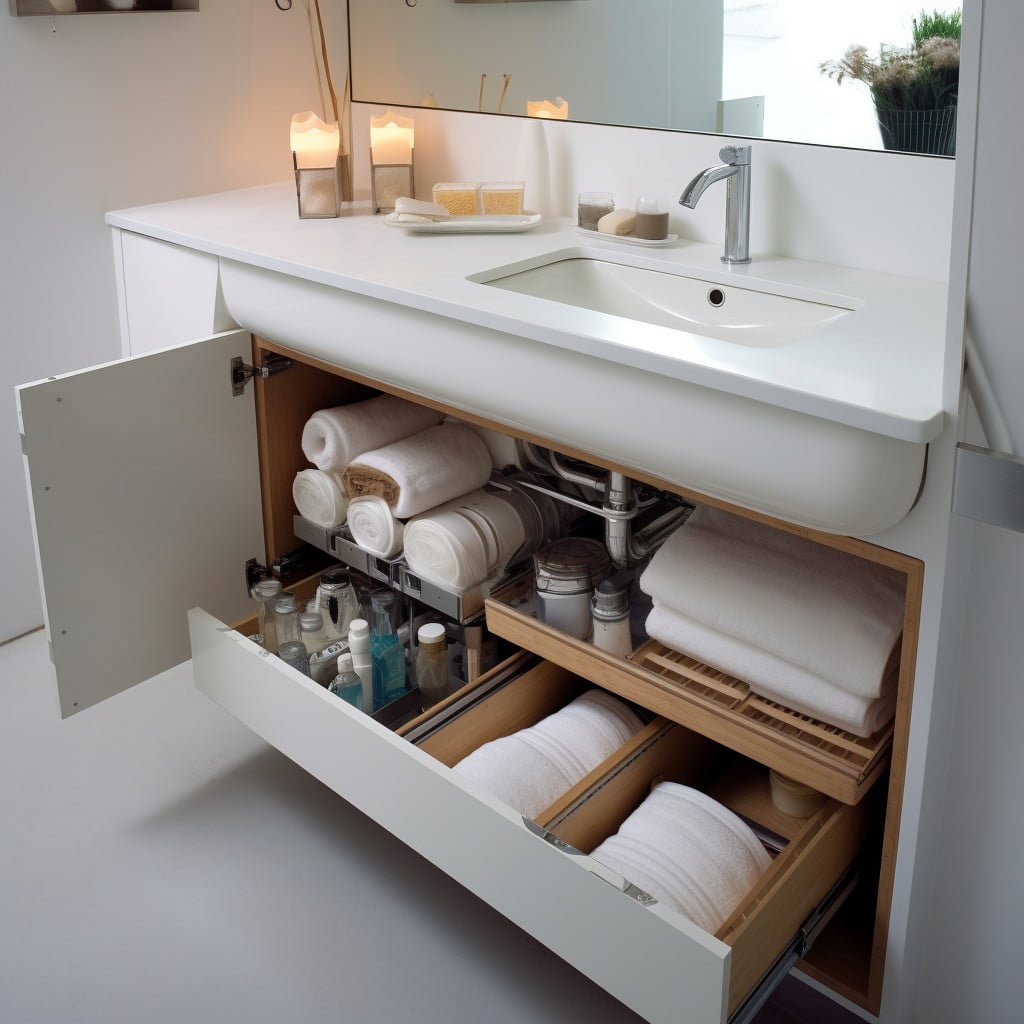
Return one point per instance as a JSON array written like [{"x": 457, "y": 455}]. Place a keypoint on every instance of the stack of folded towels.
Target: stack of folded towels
[
  {"x": 689, "y": 852},
  {"x": 530, "y": 769},
  {"x": 404, "y": 480},
  {"x": 809, "y": 627}
]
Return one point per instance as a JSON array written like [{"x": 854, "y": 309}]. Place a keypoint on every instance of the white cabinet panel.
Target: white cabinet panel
[
  {"x": 169, "y": 295},
  {"x": 144, "y": 482}
]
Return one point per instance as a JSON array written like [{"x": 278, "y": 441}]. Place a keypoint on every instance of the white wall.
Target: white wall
[
  {"x": 110, "y": 111},
  {"x": 971, "y": 966}
]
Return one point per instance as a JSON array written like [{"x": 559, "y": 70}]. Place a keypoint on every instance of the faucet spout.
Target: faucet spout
[
  {"x": 735, "y": 169},
  {"x": 701, "y": 181}
]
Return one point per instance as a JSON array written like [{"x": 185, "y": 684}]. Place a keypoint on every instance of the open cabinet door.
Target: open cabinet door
[{"x": 144, "y": 482}]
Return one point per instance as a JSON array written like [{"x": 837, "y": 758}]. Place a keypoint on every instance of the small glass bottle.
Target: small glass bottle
[
  {"x": 432, "y": 664},
  {"x": 286, "y": 619},
  {"x": 294, "y": 653},
  {"x": 346, "y": 684},
  {"x": 610, "y": 611},
  {"x": 338, "y": 603},
  {"x": 386, "y": 651},
  {"x": 265, "y": 593}
]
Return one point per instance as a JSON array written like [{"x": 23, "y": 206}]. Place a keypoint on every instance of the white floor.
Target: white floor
[{"x": 158, "y": 863}]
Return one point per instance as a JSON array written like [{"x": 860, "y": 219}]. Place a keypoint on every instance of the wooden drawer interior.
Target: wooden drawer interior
[
  {"x": 818, "y": 850},
  {"x": 718, "y": 705}
]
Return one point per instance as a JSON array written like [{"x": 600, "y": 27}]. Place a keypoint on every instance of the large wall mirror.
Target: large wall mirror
[{"x": 739, "y": 67}]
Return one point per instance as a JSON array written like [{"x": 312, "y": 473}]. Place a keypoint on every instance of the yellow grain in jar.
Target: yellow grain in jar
[
  {"x": 460, "y": 199},
  {"x": 502, "y": 197}
]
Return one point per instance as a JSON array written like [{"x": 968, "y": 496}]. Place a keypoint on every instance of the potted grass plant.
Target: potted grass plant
[{"x": 914, "y": 88}]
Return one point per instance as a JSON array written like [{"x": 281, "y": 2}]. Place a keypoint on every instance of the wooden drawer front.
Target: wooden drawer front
[{"x": 655, "y": 961}]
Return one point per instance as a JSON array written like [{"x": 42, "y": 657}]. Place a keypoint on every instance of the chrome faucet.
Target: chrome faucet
[{"x": 735, "y": 168}]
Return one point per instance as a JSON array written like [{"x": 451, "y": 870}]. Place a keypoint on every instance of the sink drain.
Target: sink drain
[{"x": 716, "y": 297}]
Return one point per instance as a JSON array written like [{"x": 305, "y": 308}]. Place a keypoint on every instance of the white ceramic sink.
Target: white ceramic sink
[{"x": 646, "y": 291}]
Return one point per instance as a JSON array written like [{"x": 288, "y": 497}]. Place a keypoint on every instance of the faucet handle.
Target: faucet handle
[{"x": 734, "y": 155}]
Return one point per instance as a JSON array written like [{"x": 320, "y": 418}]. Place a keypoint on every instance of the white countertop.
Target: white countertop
[{"x": 878, "y": 369}]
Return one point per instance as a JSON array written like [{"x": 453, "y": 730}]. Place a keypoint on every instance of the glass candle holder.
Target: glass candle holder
[
  {"x": 591, "y": 207},
  {"x": 651, "y": 218}
]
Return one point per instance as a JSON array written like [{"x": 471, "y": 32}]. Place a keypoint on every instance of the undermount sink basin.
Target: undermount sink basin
[{"x": 660, "y": 294}]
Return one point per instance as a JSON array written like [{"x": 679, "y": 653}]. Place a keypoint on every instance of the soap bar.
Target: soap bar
[
  {"x": 420, "y": 208},
  {"x": 618, "y": 222}
]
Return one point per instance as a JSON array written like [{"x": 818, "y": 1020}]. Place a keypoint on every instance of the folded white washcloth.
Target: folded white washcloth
[
  {"x": 332, "y": 438},
  {"x": 374, "y": 528},
  {"x": 836, "y": 615},
  {"x": 319, "y": 497},
  {"x": 773, "y": 677},
  {"x": 404, "y": 205},
  {"x": 446, "y": 548},
  {"x": 688, "y": 851},
  {"x": 421, "y": 471},
  {"x": 530, "y": 769}
]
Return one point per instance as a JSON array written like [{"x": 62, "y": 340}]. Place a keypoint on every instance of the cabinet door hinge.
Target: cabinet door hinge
[{"x": 242, "y": 373}]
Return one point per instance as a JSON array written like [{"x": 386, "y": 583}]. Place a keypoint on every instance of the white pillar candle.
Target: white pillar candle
[
  {"x": 314, "y": 143},
  {"x": 391, "y": 139}
]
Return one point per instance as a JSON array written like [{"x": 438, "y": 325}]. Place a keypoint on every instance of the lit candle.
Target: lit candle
[
  {"x": 314, "y": 143},
  {"x": 557, "y": 111},
  {"x": 391, "y": 139}
]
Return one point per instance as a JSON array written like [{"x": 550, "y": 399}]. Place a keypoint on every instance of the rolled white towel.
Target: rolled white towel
[
  {"x": 772, "y": 677},
  {"x": 374, "y": 528},
  {"x": 530, "y": 769},
  {"x": 829, "y": 612},
  {"x": 505, "y": 522},
  {"x": 318, "y": 496},
  {"x": 688, "y": 851},
  {"x": 421, "y": 471},
  {"x": 446, "y": 548},
  {"x": 332, "y": 438}
]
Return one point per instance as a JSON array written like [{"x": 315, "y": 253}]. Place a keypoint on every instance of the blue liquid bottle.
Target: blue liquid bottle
[
  {"x": 346, "y": 684},
  {"x": 386, "y": 652}
]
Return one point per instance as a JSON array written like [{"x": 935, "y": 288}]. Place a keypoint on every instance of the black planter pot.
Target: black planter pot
[{"x": 919, "y": 131}]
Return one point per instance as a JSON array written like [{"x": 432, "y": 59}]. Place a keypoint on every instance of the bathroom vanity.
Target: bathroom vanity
[{"x": 181, "y": 459}]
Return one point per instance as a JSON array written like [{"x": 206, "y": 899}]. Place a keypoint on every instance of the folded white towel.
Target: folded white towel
[
  {"x": 319, "y": 498},
  {"x": 446, "y": 548},
  {"x": 374, "y": 528},
  {"x": 332, "y": 438},
  {"x": 826, "y": 611},
  {"x": 530, "y": 769},
  {"x": 421, "y": 471},
  {"x": 773, "y": 677},
  {"x": 688, "y": 851}
]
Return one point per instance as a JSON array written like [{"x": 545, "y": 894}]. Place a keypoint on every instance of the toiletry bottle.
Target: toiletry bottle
[
  {"x": 323, "y": 653},
  {"x": 386, "y": 651},
  {"x": 337, "y": 602},
  {"x": 359, "y": 648},
  {"x": 294, "y": 653},
  {"x": 286, "y": 619},
  {"x": 265, "y": 593},
  {"x": 346, "y": 684},
  {"x": 432, "y": 664},
  {"x": 610, "y": 611}
]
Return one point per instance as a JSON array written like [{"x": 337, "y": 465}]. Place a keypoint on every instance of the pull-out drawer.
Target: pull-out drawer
[{"x": 538, "y": 874}]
